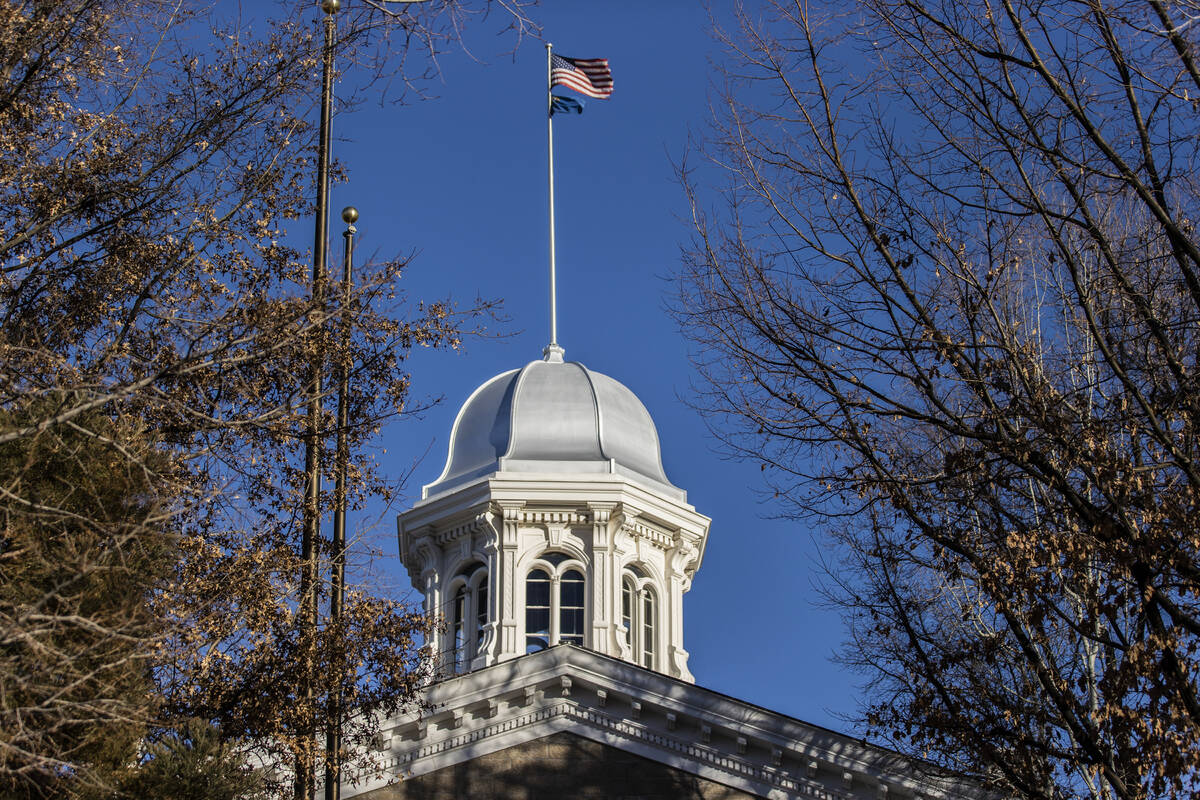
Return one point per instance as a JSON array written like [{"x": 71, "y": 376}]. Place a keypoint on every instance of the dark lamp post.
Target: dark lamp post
[{"x": 337, "y": 589}]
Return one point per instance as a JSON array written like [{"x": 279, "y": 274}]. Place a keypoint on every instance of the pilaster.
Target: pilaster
[
  {"x": 489, "y": 648},
  {"x": 509, "y": 514},
  {"x": 679, "y": 558},
  {"x": 606, "y": 588}
]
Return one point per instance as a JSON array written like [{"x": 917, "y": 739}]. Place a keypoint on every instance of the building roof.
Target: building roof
[
  {"x": 705, "y": 733},
  {"x": 554, "y": 417}
]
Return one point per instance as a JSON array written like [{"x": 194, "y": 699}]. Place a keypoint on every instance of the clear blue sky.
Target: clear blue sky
[{"x": 461, "y": 179}]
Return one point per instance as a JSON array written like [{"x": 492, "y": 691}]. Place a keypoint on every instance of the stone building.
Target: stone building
[{"x": 558, "y": 553}]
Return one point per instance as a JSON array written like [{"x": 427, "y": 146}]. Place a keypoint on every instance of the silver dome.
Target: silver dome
[{"x": 554, "y": 417}]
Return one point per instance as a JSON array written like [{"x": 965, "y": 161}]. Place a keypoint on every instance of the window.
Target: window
[
  {"x": 647, "y": 627},
  {"x": 570, "y": 608},
  {"x": 468, "y": 615},
  {"x": 639, "y": 613},
  {"x": 628, "y": 591},
  {"x": 555, "y": 603},
  {"x": 537, "y": 611},
  {"x": 460, "y": 633}
]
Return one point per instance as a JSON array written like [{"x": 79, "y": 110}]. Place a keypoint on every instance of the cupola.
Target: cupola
[{"x": 552, "y": 523}]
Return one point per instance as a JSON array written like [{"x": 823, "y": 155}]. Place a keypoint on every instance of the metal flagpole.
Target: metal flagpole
[
  {"x": 305, "y": 779},
  {"x": 552, "y": 351}
]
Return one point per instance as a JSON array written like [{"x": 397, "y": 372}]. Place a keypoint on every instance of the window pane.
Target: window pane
[
  {"x": 537, "y": 589},
  {"x": 571, "y": 590},
  {"x": 537, "y": 621},
  {"x": 537, "y": 629},
  {"x": 554, "y": 558},
  {"x": 571, "y": 629}
]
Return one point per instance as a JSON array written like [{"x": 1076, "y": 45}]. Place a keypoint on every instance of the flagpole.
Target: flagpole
[{"x": 552, "y": 351}]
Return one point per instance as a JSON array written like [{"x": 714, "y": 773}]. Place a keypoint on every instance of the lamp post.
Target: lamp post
[
  {"x": 337, "y": 591},
  {"x": 304, "y": 784}
]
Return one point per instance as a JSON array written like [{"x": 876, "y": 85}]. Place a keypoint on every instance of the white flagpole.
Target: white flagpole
[{"x": 553, "y": 351}]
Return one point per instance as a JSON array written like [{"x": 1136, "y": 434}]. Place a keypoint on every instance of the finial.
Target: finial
[
  {"x": 330, "y": 6},
  {"x": 553, "y": 353}
]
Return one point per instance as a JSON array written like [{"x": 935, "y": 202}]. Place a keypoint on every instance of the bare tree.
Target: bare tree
[
  {"x": 157, "y": 329},
  {"x": 950, "y": 298}
]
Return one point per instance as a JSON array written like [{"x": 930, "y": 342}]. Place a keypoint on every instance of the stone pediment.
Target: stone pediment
[{"x": 688, "y": 729}]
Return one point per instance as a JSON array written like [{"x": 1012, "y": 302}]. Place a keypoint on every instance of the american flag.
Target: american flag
[{"x": 590, "y": 76}]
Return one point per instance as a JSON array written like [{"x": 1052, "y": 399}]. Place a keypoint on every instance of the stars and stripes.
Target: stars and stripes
[{"x": 590, "y": 76}]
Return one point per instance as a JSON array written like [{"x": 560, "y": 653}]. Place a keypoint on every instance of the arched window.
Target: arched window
[
  {"x": 555, "y": 603},
  {"x": 639, "y": 613},
  {"x": 570, "y": 608},
  {"x": 537, "y": 611},
  {"x": 648, "y": 613},
  {"x": 458, "y": 627},
  {"x": 468, "y": 615},
  {"x": 628, "y": 593}
]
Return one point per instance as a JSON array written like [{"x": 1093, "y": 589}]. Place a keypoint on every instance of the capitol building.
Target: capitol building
[{"x": 557, "y": 552}]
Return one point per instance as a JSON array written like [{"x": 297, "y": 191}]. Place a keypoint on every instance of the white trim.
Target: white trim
[
  {"x": 603, "y": 522},
  {"x": 666, "y": 720}
]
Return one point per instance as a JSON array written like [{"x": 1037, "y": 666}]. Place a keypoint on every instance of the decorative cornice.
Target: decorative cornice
[
  {"x": 470, "y": 527},
  {"x": 684, "y": 558},
  {"x": 649, "y": 714},
  {"x": 543, "y": 516},
  {"x": 640, "y": 530},
  {"x": 570, "y": 710}
]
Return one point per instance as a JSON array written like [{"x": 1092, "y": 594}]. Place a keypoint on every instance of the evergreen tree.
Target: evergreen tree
[
  {"x": 84, "y": 538},
  {"x": 193, "y": 763}
]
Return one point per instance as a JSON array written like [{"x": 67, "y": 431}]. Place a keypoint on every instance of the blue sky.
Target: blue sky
[{"x": 461, "y": 180}]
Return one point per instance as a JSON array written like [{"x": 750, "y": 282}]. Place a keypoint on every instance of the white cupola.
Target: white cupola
[{"x": 554, "y": 523}]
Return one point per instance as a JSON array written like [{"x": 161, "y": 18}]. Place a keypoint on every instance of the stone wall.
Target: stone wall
[{"x": 562, "y": 765}]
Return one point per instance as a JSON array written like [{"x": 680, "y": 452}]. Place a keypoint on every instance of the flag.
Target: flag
[
  {"x": 590, "y": 76},
  {"x": 565, "y": 105}
]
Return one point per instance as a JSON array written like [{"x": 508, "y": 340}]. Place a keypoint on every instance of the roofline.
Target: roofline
[{"x": 685, "y": 726}]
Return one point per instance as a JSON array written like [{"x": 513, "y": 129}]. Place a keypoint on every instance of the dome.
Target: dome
[{"x": 554, "y": 417}]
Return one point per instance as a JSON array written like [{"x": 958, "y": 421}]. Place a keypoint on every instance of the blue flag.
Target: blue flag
[{"x": 565, "y": 105}]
